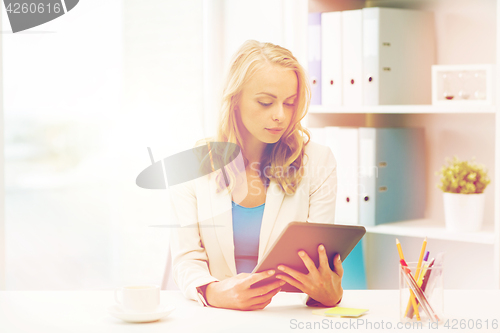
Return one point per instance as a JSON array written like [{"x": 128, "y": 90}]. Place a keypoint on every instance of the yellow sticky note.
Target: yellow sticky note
[{"x": 341, "y": 312}]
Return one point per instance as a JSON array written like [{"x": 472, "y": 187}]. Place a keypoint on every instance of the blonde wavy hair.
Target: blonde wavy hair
[{"x": 283, "y": 160}]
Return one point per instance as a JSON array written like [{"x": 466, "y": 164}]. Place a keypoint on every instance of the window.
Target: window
[{"x": 85, "y": 95}]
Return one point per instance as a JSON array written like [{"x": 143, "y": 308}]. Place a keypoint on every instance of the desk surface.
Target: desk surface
[{"x": 85, "y": 311}]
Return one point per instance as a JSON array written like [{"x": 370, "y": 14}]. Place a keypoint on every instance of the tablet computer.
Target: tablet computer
[{"x": 308, "y": 236}]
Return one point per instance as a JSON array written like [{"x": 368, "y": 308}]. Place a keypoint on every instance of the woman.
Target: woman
[{"x": 288, "y": 179}]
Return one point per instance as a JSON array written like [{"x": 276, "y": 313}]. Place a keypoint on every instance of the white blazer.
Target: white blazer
[{"x": 203, "y": 248}]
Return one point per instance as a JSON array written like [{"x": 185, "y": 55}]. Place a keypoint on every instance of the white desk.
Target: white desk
[{"x": 85, "y": 311}]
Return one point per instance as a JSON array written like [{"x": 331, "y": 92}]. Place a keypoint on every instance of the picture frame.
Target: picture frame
[{"x": 470, "y": 84}]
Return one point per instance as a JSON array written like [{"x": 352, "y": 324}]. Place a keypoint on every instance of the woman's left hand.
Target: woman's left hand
[{"x": 322, "y": 284}]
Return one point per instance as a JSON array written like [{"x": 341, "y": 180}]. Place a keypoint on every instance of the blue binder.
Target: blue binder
[
  {"x": 392, "y": 175},
  {"x": 314, "y": 56},
  {"x": 354, "y": 270}
]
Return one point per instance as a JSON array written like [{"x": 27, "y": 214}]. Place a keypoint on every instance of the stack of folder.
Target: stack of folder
[
  {"x": 380, "y": 173},
  {"x": 371, "y": 56}
]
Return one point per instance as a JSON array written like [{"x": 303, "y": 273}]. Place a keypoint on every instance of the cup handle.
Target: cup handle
[{"x": 116, "y": 297}]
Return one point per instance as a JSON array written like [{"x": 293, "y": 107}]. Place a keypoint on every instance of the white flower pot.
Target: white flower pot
[{"x": 463, "y": 212}]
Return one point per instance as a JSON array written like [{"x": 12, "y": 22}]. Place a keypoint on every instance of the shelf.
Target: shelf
[
  {"x": 401, "y": 109},
  {"x": 433, "y": 230}
]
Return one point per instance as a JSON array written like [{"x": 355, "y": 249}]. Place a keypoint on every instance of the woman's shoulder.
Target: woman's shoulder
[
  {"x": 314, "y": 146},
  {"x": 319, "y": 164},
  {"x": 319, "y": 155}
]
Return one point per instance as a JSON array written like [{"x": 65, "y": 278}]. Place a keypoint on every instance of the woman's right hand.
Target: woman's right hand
[{"x": 235, "y": 292}]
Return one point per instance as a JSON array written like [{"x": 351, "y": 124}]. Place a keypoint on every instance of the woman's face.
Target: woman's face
[{"x": 267, "y": 104}]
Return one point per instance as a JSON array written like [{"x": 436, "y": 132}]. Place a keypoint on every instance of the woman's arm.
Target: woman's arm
[
  {"x": 189, "y": 258},
  {"x": 237, "y": 293},
  {"x": 321, "y": 284}
]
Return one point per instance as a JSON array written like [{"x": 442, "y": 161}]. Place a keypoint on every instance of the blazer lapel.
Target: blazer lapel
[
  {"x": 274, "y": 199},
  {"x": 223, "y": 222}
]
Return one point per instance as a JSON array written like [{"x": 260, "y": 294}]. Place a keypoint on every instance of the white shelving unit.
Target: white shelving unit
[
  {"x": 468, "y": 131},
  {"x": 433, "y": 230},
  {"x": 402, "y": 109}
]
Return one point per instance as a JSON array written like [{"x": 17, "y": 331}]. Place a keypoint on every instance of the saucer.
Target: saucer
[{"x": 135, "y": 317}]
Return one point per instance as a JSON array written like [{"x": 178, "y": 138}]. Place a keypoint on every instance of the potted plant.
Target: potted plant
[{"x": 463, "y": 184}]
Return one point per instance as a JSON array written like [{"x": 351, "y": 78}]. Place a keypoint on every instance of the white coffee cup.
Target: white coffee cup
[{"x": 140, "y": 298}]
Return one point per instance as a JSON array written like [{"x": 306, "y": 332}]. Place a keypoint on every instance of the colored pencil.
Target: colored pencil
[
  {"x": 417, "y": 272},
  {"x": 412, "y": 296},
  {"x": 418, "y": 292}
]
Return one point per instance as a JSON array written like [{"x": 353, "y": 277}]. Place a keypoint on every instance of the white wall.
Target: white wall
[
  {"x": 276, "y": 21},
  {"x": 62, "y": 85},
  {"x": 229, "y": 23},
  {"x": 2, "y": 197},
  {"x": 260, "y": 20},
  {"x": 162, "y": 108},
  {"x": 127, "y": 76}
]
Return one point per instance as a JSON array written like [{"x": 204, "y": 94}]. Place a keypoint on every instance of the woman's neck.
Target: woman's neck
[{"x": 254, "y": 150}]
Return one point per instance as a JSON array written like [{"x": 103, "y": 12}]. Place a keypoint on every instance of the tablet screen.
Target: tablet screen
[{"x": 308, "y": 236}]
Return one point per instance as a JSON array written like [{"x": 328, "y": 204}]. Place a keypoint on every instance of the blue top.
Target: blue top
[{"x": 246, "y": 232}]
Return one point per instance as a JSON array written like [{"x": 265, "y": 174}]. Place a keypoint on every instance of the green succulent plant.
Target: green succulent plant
[{"x": 463, "y": 177}]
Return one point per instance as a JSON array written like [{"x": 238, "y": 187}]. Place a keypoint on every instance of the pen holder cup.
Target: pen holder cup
[{"x": 427, "y": 290}]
